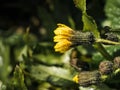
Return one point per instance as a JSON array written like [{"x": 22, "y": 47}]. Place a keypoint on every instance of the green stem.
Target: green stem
[
  {"x": 107, "y": 41},
  {"x": 102, "y": 50}
]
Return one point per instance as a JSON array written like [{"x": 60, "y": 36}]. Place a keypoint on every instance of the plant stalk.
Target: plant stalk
[
  {"x": 107, "y": 41},
  {"x": 102, "y": 50}
]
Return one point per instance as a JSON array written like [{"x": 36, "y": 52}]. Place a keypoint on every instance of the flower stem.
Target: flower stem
[
  {"x": 102, "y": 50},
  {"x": 107, "y": 41}
]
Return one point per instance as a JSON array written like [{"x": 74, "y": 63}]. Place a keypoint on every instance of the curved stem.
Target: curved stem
[{"x": 102, "y": 50}]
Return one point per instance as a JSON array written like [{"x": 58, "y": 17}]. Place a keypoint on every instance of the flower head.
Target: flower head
[
  {"x": 63, "y": 45},
  {"x": 63, "y": 30},
  {"x": 106, "y": 67},
  {"x": 63, "y": 34},
  {"x": 86, "y": 78},
  {"x": 67, "y": 38}
]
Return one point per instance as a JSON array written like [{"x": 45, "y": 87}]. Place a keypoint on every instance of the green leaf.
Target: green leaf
[
  {"x": 5, "y": 68},
  {"x": 2, "y": 86},
  {"x": 55, "y": 75},
  {"x": 113, "y": 51},
  {"x": 54, "y": 80},
  {"x": 90, "y": 25},
  {"x": 95, "y": 87},
  {"x": 88, "y": 22},
  {"x": 112, "y": 11},
  {"x": 20, "y": 52},
  {"x": 14, "y": 39},
  {"x": 45, "y": 54},
  {"x": 81, "y": 4},
  {"x": 48, "y": 59},
  {"x": 57, "y": 71},
  {"x": 18, "y": 80}
]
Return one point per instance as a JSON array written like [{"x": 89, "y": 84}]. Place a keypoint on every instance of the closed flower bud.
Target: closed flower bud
[
  {"x": 116, "y": 62},
  {"x": 106, "y": 67},
  {"x": 107, "y": 34},
  {"x": 111, "y": 37},
  {"x": 86, "y": 78}
]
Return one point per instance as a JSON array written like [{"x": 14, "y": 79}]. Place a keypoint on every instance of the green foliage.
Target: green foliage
[
  {"x": 112, "y": 11},
  {"x": 18, "y": 79},
  {"x": 4, "y": 61},
  {"x": 90, "y": 25},
  {"x": 27, "y": 57},
  {"x": 113, "y": 50},
  {"x": 55, "y": 75},
  {"x": 81, "y": 4},
  {"x": 88, "y": 22}
]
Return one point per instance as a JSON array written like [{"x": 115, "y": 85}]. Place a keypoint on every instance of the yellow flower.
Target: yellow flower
[
  {"x": 63, "y": 30},
  {"x": 76, "y": 79},
  {"x": 67, "y": 38},
  {"x": 63, "y": 46},
  {"x": 58, "y": 38},
  {"x": 63, "y": 34}
]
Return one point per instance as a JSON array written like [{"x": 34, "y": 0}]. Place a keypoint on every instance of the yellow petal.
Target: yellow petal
[
  {"x": 63, "y": 46},
  {"x": 63, "y": 30},
  {"x": 63, "y": 25},
  {"x": 58, "y": 38},
  {"x": 76, "y": 79}
]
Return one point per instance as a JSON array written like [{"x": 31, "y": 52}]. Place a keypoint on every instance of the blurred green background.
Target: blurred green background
[{"x": 27, "y": 57}]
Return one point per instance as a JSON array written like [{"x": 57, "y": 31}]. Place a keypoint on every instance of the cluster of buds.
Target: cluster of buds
[
  {"x": 65, "y": 38},
  {"x": 107, "y": 67},
  {"x": 85, "y": 78},
  {"x": 108, "y": 35}
]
